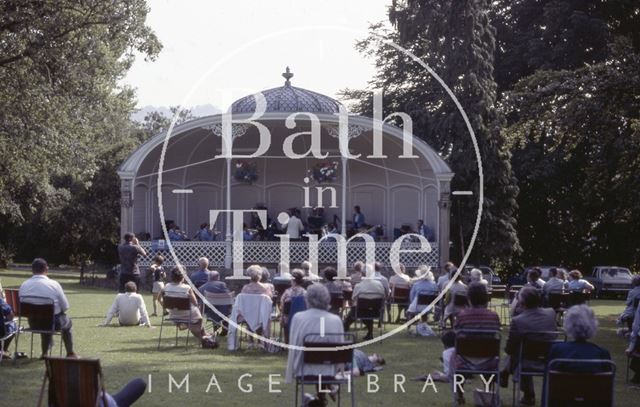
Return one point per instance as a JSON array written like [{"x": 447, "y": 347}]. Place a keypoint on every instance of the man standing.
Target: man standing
[
  {"x": 128, "y": 253},
  {"x": 39, "y": 285}
]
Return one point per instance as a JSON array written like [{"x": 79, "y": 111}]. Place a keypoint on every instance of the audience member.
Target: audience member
[
  {"x": 215, "y": 286},
  {"x": 177, "y": 288},
  {"x": 443, "y": 279},
  {"x": 201, "y": 276},
  {"x": 458, "y": 288},
  {"x": 129, "y": 308},
  {"x": 627, "y": 316},
  {"x": 400, "y": 279},
  {"x": 422, "y": 284},
  {"x": 475, "y": 276},
  {"x": 265, "y": 279},
  {"x": 533, "y": 322},
  {"x": 534, "y": 280},
  {"x": 158, "y": 280},
  {"x": 377, "y": 267},
  {"x": 368, "y": 288},
  {"x": 578, "y": 284},
  {"x": 128, "y": 253},
  {"x": 295, "y": 290},
  {"x": 40, "y": 285},
  {"x": 634, "y": 348},
  {"x": 333, "y": 285},
  {"x": 555, "y": 284},
  {"x": 255, "y": 286},
  {"x": 307, "y": 322},
  {"x": 356, "y": 273},
  {"x": 7, "y": 326},
  {"x": 128, "y": 395}
]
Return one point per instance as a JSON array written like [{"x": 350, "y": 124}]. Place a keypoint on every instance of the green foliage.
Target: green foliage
[
  {"x": 457, "y": 41},
  {"x": 576, "y": 151},
  {"x": 62, "y": 107}
]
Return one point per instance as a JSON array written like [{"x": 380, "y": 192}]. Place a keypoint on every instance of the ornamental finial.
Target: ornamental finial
[{"x": 287, "y": 75}]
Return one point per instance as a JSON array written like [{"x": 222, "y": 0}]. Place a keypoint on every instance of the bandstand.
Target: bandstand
[{"x": 392, "y": 192}]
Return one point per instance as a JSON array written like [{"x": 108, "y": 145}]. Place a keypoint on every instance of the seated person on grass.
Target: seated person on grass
[{"x": 129, "y": 308}]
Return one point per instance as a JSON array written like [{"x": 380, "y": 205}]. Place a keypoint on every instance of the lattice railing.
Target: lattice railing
[{"x": 269, "y": 253}]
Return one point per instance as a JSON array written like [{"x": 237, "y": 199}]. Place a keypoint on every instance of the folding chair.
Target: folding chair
[
  {"x": 333, "y": 355},
  {"x": 498, "y": 302},
  {"x": 221, "y": 302},
  {"x": 40, "y": 314},
  {"x": 534, "y": 349},
  {"x": 280, "y": 286},
  {"x": 472, "y": 346},
  {"x": 577, "y": 298},
  {"x": 399, "y": 296},
  {"x": 337, "y": 303},
  {"x": 11, "y": 297},
  {"x": 558, "y": 301},
  {"x": 578, "y": 385},
  {"x": 176, "y": 304},
  {"x": 370, "y": 309},
  {"x": 73, "y": 382},
  {"x": 424, "y": 300}
]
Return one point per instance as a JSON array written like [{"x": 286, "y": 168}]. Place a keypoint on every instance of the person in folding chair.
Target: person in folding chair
[
  {"x": 580, "y": 325},
  {"x": 177, "y": 288},
  {"x": 533, "y": 323},
  {"x": 40, "y": 285},
  {"x": 477, "y": 316},
  {"x": 7, "y": 328},
  {"x": 633, "y": 351},
  {"x": 369, "y": 288},
  {"x": 216, "y": 288},
  {"x": 424, "y": 283},
  {"x": 315, "y": 320}
]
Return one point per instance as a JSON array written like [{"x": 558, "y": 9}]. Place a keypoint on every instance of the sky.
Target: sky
[{"x": 218, "y": 51}]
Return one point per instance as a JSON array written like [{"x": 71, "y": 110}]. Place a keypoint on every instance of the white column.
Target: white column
[
  {"x": 343, "y": 217},
  {"x": 126, "y": 206},
  {"x": 444, "y": 205},
  {"x": 228, "y": 238}
]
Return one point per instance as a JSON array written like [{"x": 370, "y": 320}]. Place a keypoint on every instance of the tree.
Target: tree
[
  {"x": 576, "y": 146},
  {"x": 60, "y": 63},
  {"x": 456, "y": 39}
]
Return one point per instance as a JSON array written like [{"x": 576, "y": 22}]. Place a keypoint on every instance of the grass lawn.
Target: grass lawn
[{"x": 131, "y": 352}]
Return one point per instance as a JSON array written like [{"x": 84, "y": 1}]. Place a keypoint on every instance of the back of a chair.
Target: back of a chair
[
  {"x": 426, "y": 298},
  {"x": 337, "y": 301},
  {"x": 74, "y": 382},
  {"x": 333, "y": 354},
  {"x": 580, "y": 385},
  {"x": 498, "y": 292},
  {"x": 219, "y": 298},
  {"x": 478, "y": 343},
  {"x": 11, "y": 297},
  {"x": 400, "y": 294},
  {"x": 40, "y": 312},
  {"x": 577, "y": 298},
  {"x": 281, "y": 286},
  {"x": 370, "y": 308},
  {"x": 535, "y": 348},
  {"x": 179, "y": 303},
  {"x": 347, "y": 295},
  {"x": 513, "y": 291},
  {"x": 460, "y": 300},
  {"x": 557, "y": 300}
]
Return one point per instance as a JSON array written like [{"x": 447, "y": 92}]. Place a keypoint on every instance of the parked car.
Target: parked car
[
  {"x": 610, "y": 280},
  {"x": 521, "y": 279},
  {"x": 487, "y": 273}
]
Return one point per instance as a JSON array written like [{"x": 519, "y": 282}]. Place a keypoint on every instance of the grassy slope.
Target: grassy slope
[{"x": 129, "y": 352}]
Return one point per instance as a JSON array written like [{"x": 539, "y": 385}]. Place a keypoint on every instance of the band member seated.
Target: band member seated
[
  {"x": 425, "y": 231},
  {"x": 358, "y": 218}
]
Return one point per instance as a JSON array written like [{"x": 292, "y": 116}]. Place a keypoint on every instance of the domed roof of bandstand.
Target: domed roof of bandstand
[{"x": 288, "y": 98}]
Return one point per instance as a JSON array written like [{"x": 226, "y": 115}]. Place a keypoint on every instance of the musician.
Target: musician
[
  {"x": 358, "y": 218},
  {"x": 247, "y": 234},
  {"x": 294, "y": 226},
  {"x": 204, "y": 234},
  {"x": 175, "y": 234},
  {"x": 425, "y": 231}
]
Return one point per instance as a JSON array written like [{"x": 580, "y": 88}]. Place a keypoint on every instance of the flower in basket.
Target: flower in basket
[
  {"x": 245, "y": 171},
  {"x": 325, "y": 171}
]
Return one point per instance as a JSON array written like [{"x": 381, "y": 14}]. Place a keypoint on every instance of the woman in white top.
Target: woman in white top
[
  {"x": 475, "y": 276},
  {"x": 177, "y": 288}
]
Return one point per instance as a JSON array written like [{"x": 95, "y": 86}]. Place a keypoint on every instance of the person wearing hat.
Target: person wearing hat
[{"x": 423, "y": 283}]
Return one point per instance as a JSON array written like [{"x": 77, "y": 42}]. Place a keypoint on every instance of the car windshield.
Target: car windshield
[{"x": 615, "y": 272}]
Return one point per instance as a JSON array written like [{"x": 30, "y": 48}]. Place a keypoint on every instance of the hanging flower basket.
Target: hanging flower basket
[
  {"x": 245, "y": 171},
  {"x": 326, "y": 171}
]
